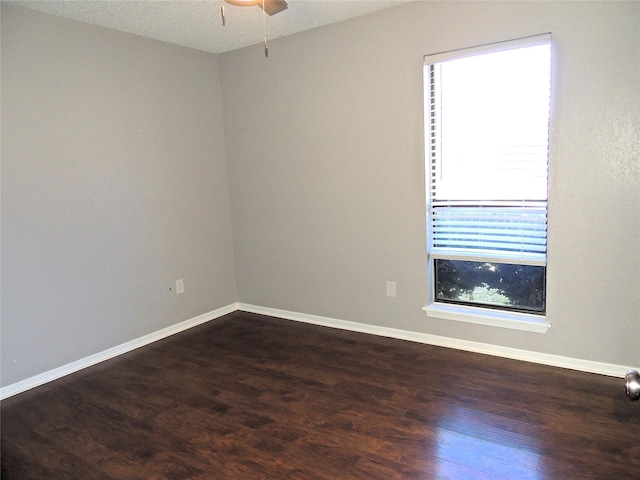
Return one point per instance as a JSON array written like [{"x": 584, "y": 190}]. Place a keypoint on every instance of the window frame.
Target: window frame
[{"x": 484, "y": 315}]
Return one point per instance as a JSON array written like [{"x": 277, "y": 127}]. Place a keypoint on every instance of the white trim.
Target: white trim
[
  {"x": 491, "y": 317},
  {"x": 589, "y": 366},
  {"x": 85, "y": 362},
  {"x": 448, "y": 342}
]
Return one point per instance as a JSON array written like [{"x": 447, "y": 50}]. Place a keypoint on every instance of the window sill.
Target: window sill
[{"x": 485, "y": 316}]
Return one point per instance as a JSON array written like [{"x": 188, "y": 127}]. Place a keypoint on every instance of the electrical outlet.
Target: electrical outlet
[
  {"x": 391, "y": 289},
  {"x": 179, "y": 286}
]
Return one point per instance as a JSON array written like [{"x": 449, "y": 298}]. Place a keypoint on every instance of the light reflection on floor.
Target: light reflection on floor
[{"x": 486, "y": 450}]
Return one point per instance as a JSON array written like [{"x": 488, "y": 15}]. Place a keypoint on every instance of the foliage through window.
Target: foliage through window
[{"x": 487, "y": 148}]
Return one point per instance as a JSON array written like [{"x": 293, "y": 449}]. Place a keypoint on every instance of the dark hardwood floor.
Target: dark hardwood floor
[{"x": 254, "y": 397}]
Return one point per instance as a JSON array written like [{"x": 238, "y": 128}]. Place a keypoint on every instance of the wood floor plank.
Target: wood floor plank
[{"x": 254, "y": 397}]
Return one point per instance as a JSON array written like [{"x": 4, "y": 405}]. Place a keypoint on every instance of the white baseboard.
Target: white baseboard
[
  {"x": 477, "y": 347},
  {"x": 589, "y": 366},
  {"x": 77, "y": 365}
]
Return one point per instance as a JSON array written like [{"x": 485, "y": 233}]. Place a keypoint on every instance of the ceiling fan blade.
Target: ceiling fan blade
[{"x": 273, "y": 6}]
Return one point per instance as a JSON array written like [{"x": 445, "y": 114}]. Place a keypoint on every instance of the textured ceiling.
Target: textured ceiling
[{"x": 197, "y": 23}]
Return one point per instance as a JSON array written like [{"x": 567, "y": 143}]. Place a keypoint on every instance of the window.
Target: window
[{"x": 487, "y": 148}]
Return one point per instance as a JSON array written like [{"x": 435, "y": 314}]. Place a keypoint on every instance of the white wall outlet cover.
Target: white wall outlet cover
[{"x": 391, "y": 289}]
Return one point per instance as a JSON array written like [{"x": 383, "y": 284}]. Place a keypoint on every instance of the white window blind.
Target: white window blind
[{"x": 488, "y": 148}]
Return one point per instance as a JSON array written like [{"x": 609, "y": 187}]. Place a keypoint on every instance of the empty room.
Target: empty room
[{"x": 320, "y": 239}]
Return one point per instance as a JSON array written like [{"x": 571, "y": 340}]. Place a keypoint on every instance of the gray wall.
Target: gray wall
[
  {"x": 325, "y": 157},
  {"x": 114, "y": 178},
  {"x": 114, "y": 185}
]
